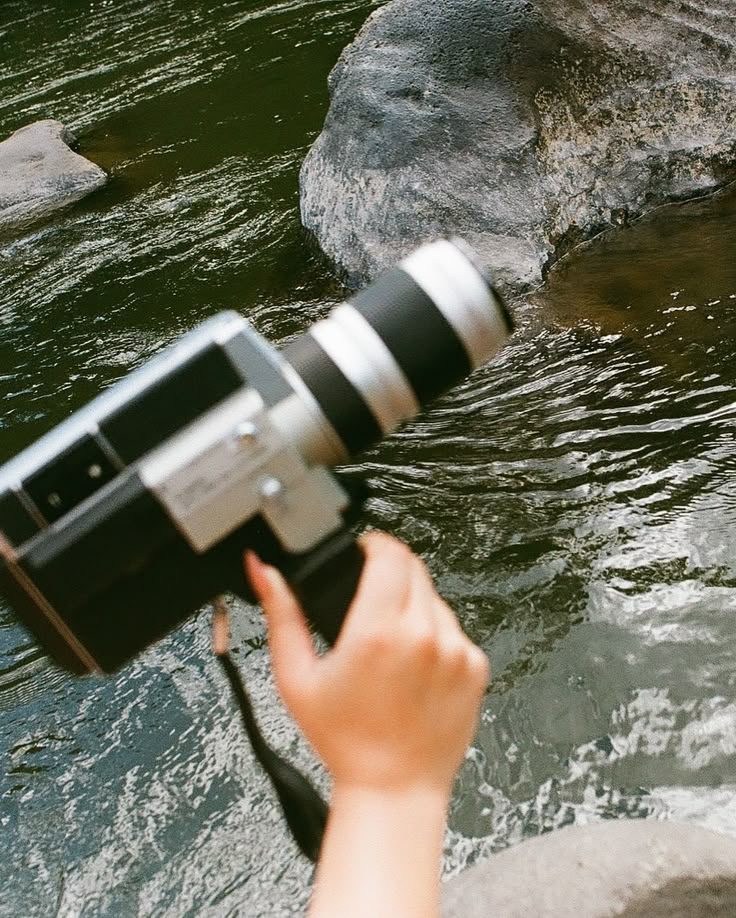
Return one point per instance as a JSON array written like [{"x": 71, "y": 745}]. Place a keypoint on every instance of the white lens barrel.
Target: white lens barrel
[
  {"x": 358, "y": 351},
  {"x": 463, "y": 295},
  {"x": 401, "y": 342}
]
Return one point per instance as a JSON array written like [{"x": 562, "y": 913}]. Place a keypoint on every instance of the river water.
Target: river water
[{"x": 576, "y": 500}]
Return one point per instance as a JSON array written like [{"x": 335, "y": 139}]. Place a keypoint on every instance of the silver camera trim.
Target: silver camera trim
[{"x": 234, "y": 463}]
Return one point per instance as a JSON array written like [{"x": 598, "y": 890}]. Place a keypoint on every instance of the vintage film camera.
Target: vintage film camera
[{"x": 127, "y": 517}]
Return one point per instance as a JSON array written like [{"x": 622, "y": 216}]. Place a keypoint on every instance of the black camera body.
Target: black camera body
[{"x": 126, "y": 518}]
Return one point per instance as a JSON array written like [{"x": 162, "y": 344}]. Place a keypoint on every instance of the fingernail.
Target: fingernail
[
  {"x": 264, "y": 578},
  {"x": 272, "y": 577}
]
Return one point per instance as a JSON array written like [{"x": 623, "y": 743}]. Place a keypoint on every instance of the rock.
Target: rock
[
  {"x": 40, "y": 174},
  {"x": 524, "y": 126},
  {"x": 627, "y": 868}
]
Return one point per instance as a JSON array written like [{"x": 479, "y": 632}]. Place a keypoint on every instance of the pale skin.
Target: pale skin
[{"x": 390, "y": 710}]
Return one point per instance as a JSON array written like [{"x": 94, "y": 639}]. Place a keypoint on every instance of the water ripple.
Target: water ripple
[{"x": 575, "y": 500}]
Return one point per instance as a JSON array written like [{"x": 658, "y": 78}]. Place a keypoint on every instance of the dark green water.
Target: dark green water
[{"x": 576, "y": 500}]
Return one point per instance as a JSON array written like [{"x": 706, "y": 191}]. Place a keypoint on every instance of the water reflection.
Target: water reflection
[
  {"x": 574, "y": 500},
  {"x": 606, "y": 529}
]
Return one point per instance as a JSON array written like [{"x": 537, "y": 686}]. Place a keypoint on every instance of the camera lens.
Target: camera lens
[{"x": 377, "y": 359}]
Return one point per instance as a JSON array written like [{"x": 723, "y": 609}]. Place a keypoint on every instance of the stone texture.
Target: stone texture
[
  {"x": 599, "y": 871},
  {"x": 523, "y": 126},
  {"x": 40, "y": 174}
]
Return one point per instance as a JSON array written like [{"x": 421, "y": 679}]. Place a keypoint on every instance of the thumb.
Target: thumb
[{"x": 292, "y": 651}]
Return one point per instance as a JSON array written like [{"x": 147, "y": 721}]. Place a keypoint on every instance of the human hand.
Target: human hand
[{"x": 394, "y": 704}]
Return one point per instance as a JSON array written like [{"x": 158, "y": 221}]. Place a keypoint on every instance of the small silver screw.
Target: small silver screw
[
  {"x": 54, "y": 499},
  {"x": 246, "y": 432},
  {"x": 271, "y": 488},
  {"x": 95, "y": 471}
]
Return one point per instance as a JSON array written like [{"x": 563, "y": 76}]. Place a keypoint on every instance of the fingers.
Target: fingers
[
  {"x": 383, "y": 588},
  {"x": 427, "y": 608},
  {"x": 480, "y": 668},
  {"x": 435, "y": 625},
  {"x": 292, "y": 650},
  {"x": 461, "y": 654},
  {"x": 396, "y": 606}
]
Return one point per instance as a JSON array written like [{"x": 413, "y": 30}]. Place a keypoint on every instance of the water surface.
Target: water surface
[{"x": 575, "y": 500}]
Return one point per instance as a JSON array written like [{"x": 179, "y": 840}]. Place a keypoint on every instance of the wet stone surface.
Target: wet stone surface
[
  {"x": 40, "y": 174},
  {"x": 601, "y": 871},
  {"x": 524, "y": 126}
]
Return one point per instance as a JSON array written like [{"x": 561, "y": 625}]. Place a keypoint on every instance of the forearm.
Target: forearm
[{"x": 381, "y": 855}]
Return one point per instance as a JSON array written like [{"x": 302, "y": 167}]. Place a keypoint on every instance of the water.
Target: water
[{"x": 575, "y": 500}]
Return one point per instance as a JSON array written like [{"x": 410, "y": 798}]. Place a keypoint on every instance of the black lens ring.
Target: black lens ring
[
  {"x": 416, "y": 332},
  {"x": 341, "y": 403}
]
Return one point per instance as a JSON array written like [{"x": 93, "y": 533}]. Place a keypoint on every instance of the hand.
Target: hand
[{"x": 394, "y": 704}]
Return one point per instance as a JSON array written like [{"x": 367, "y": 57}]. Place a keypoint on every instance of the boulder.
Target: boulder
[
  {"x": 524, "y": 125},
  {"x": 40, "y": 174},
  {"x": 629, "y": 868}
]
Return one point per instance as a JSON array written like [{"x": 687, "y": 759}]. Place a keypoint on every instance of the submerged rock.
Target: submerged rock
[
  {"x": 524, "y": 126},
  {"x": 40, "y": 174},
  {"x": 631, "y": 868}
]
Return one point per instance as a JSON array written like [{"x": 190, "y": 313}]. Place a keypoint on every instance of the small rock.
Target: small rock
[
  {"x": 615, "y": 868},
  {"x": 40, "y": 174}
]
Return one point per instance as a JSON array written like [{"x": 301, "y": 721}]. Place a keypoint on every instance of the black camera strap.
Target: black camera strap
[
  {"x": 324, "y": 581},
  {"x": 304, "y": 809}
]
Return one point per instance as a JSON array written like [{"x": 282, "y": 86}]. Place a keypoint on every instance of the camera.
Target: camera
[{"x": 135, "y": 511}]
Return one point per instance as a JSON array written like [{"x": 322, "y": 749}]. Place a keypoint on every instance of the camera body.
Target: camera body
[{"x": 122, "y": 521}]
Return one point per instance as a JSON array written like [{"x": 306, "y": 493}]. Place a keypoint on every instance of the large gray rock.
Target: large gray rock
[
  {"x": 629, "y": 868},
  {"x": 40, "y": 174},
  {"x": 523, "y": 125}
]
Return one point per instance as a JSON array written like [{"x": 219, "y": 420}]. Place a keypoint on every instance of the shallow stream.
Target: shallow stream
[{"x": 576, "y": 500}]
